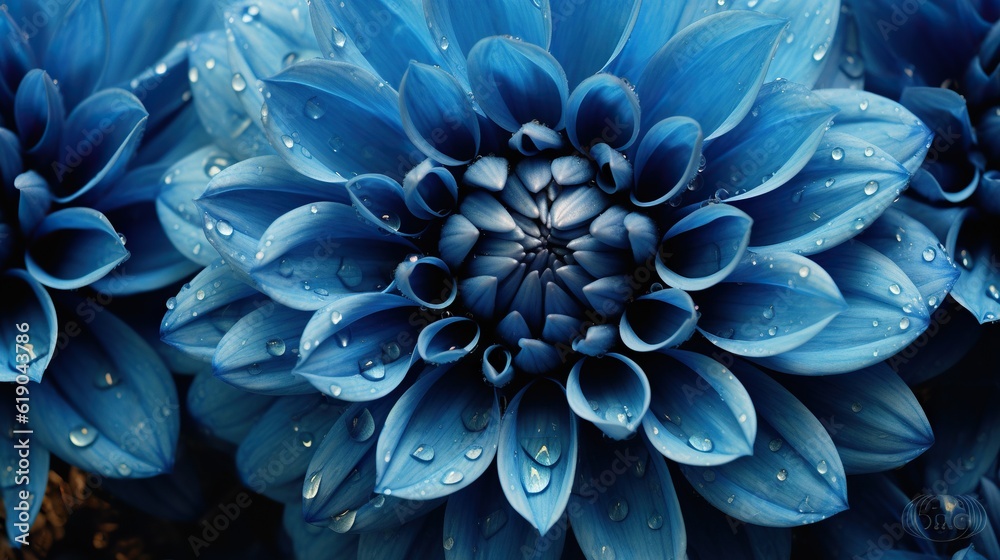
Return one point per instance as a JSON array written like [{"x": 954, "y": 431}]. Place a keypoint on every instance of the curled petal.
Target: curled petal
[
  {"x": 602, "y": 109},
  {"x": 597, "y": 340},
  {"x": 437, "y": 115},
  {"x": 381, "y": 201},
  {"x": 39, "y": 113},
  {"x": 668, "y": 158},
  {"x": 977, "y": 287},
  {"x": 34, "y": 202},
  {"x": 517, "y": 83},
  {"x": 699, "y": 413},
  {"x": 533, "y": 138},
  {"x": 704, "y": 247},
  {"x": 661, "y": 319},
  {"x": 430, "y": 191},
  {"x": 614, "y": 170},
  {"x": 74, "y": 247},
  {"x": 611, "y": 392},
  {"x": 417, "y": 457},
  {"x": 448, "y": 340},
  {"x": 426, "y": 281},
  {"x": 498, "y": 365},
  {"x": 33, "y": 335}
]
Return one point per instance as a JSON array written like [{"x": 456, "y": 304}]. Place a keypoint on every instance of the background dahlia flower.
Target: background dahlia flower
[
  {"x": 94, "y": 105},
  {"x": 489, "y": 231}
]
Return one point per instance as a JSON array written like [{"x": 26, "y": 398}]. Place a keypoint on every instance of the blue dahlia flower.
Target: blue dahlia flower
[
  {"x": 949, "y": 80},
  {"x": 471, "y": 265},
  {"x": 94, "y": 104}
]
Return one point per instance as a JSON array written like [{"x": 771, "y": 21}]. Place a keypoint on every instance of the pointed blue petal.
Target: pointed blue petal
[
  {"x": 244, "y": 197},
  {"x": 977, "y": 287},
  {"x": 222, "y": 410},
  {"x": 597, "y": 340},
  {"x": 637, "y": 513},
  {"x": 699, "y": 413},
  {"x": 794, "y": 475},
  {"x": 287, "y": 434},
  {"x": 655, "y": 25},
  {"x": 480, "y": 523},
  {"x": 457, "y": 26},
  {"x": 78, "y": 50},
  {"x": 333, "y": 41},
  {"x": 968, "y": 553},
  {"x": 586, "y": 36},
  {"x": 885, "y": 312},
  {"x": 611, "y": 392},
  {"x": 29, "y": 304},
  {"x": 840, "y": 191},
  {"x": 458, "y": 237},
  {"x": 538, "y": 454},
  {"x": 258, "y": 353},
  {"x": 72, "y": 248},
  {"x": 704, "y": 247},
  {"x": 448, "y": 340},
  {"x": 536, "y": 357},
  {"x": 486, "y": 213},
  {"x": 773, "y": 143},
  {"x": 330, "y": 486},
  {"x": 22, "y": 493},
  {"x": 418, "y": 457},
  {"x": 10, "y": 157},
  {"x": 321, "y": 249},
  {"x": 664, "y": 319},
  {"x": 571, "y": 170},
  {"x": 602, "y": 109},
  {"x": 310, "y": 541},
  {"x": 710, "y": 71},
  {"x": 39, "y": 113},
  {"x": 746, "y": 541},
  {"x": 881, "y": 122},
  {"x": 34, "y": 202},
  {"x": 886, "y": 427},
  {"x": 479, "y": 294},
  {"x": 346, "y": 119},
  {"x": 668, "y": 158},
  {"x": 182, "y": 184},
  {"x": 917, "y": 251},
  {"x": 358, "y": 347},
  {"x": 576, "y": 207},
  {"x": 771, "y": 303},
  {"x": 516, "y": 83},
  {"x": 107, "y": 126},
  {"x": 438, "y": 115},
  {"x": 488, "y": 173},
  {"x": 381, "y": 201},
  {"x": 206, "y": 308},
  {"x": 109, "y": 404},
  {"x": 218, "y": 107},
  {"x": 807, "y": 40}
]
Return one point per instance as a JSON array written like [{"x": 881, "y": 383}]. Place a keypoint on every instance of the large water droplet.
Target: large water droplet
[
  {"x": 312, "y": 486},
  {"x": 904, "y": 323},
  {"x": 423, "y": 453},
  {"x": 391, "y": 352},
  {"x": 769, "y": 312},
  {"x": 655, "y": 521},
  {"x": 822, "y": 467},
  {"x": 929, "y": 254},
  {"x": 444, "y": 43},
  {"x": 856, "y": 407},
  {"x": 701, "y": 442},
  {"x": 616, "y": 414},
  {"x": 82, "y": 436},
  {"x": 474, "y": 452},
  {"x": 534, "y": 477},
  {"x": 993, "y": 292},
  {"x": 372, "y": 368},
  {"x": 287, "y": 141},
  {"x": 350, "y": 273},
  {"x": 475, "y": 418},
  {"x": 782, "y": 475},
  {"x": 239, "y": 84},
  {"x": 775, "y": 444},
  {"x": 314, "y": 108},
  {"x": 452, "y": 477},
  {"x": 871, "y": 188},
  {"x": 306, "y": 439},
  {"x": 837, "y": 154},
  {"x": 618, "y": 509},
  {"x": 336, "y": 317},
  {"x": 336, "y": 390},
  {"x": 171, "y": 303},
  {"x": 869, "y": 151},
  {"x": 449, "y": 543},
  {"x": 276, "y": 347},
  {"x": 339, "y": 38},
  {"x": 894, "y": 289},
  {"x": 361, "y": 427},
  {"x": 224, "y": 228},
  {"x": 544, "y": 450}
]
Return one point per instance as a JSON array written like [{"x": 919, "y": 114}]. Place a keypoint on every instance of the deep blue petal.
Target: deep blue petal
[
  {"x": 655, "y": 25},
  {"x": 663, "y": 319},
  {"x": 699, "y": 413},
  {"x": 744, "y": 541},
  {"x": 438, "y": 115},
  {"x": 586, "y": 36},
  {"x": 430, "y": 191},
  {"x": 175, "y": 496},
  {"x": 710, "y": 71},
  {"x": 72, "y": 248},
  {"x": 516, "y": 83},
  {"x": 109, "y": 404},
  {"x": 637, "y": 513},
  {"x": 885, "y": 313},
  {"x": 408, "y": 541},
  {"x": 771, "y": 303},
  {"x": 10, "y": 159},
  {"x": 977, "y": 287},
  {"x": 773, "y": 143},
  {"x": 222, "y": 410},
  {"x": 381, "y": 201},
  {"x": 311, "y": 541},
  {"x": 334, "y": 41},
  {"x": 448, "y": 340},
  {"x": 319, "y": 250},
  {"x": 886, "y": 427},
  {"x": 418, "y": 457},
  {"x": 345, "y": 118},
  {"x": 808, "y": 38},
  {"x": 841, "y": 191},
  {"x": 597, "y": 340},
  {"x": 704, "y": 247},
  {"x": 611, "y": 392},
  {"x": 34, "y": 202},
  {"x": 458, "y": 237},
  {"x": 536, "y": 356},
  {"x": 39, "y": 113},
  {"x": 78, "y": 50},
  {"x": 667, "y": 159},
  {"x": 498, "y": 365},
  {"x": 964, "y": 422},
  {"x": 615, "y": 171},
  {"x": 163, "y": 86},
  {"x": 794, "y": 475},
  {"x": 28, "y": 304},
  {"x": 15, "y": 60}
]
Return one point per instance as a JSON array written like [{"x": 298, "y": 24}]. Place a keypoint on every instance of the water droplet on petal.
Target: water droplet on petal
[
  {"x": 342, "y": 523},
  {"x": 701, "y": 442},
  {"x": 106, "y": 380},
  {"x": 287, "y": 141},
  {"x": 856, "y": 407},
  {"x": 869, "y": 151},
  {"x": 894, "y": 289},
  {"x": 871, "y": 188},
  {"x": 336, "y": 390},
  {"x": 443, "y": 43},
  {"x": 535, "y": 478},
  {"x": 171, "y": 303},
  {"x": 782, "y": 475},
  {"x": 929, "y": 254},
  {"x": 239, "y": 84},
  {"x": 372, "y": 368},
  {"x": 312, "y": 486},
  {"x": 804, "y": 272},
  {"x": 544, "y": 450},
  {"x": 449, "y": 543},
  {"x": 474, "y": 452},
  {"x": 904, "y": 323},
  {"x": 452, "y": 477},
  {"x": 775, "y": 444},
  {"x": 618, "y": 509},
  {"x": 423, "y": 453},
  {"x": 492, "y": 523},
  {"x": 654, "y": 521},
  {"x": 276, "y": 347},
  {"x": 821, "y": 467},
  {"x": 82, "y": 436},
  {"x": 837, "y": 154},
  {"x": 314, "y": 108},
  {"x": 362, "y": 426},
  {"x": 339, "y": 38}
]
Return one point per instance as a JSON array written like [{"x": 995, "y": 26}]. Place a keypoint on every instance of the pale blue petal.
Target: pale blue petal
[
  {"x": 316, "y": 251},
  {"x": 533, "y": 138},
  {"x": 841, "y": 191},
  {"x": 801, "y": 481},
  {"x": 704, "y": 247},
  {"x": 638, "y": 514},
  {"x": 602, "y": 109},
  {"x": 662, "y": 319},
  {"x": 571, "y": 170},
  {"x": 667, "y": 159},
  {"x": 771, "y": 303},
  {"x": 458, "y": 237},
  {"x": 807, "y": 40},
  {"x": 30, "y": 335},
  {"x": 34, "y": 200},
  {"x": 358, "y": 348},
  {"x": 885, "y": 312},
  {"x": 72, "y": 248},
  {"x": 710, "y": 71},
  {"x": 488, "y": 173},
  {"x": 655, "y": 25},
  {"x": 437, "y": 115},
  {"x": 334, "y": 41},
  {"x": 516, "y": 83},
  {"x": 258, "y": 353},
  {"x": 223, "y": 411},
  {"x": 611, "y": 392},
  {"x": 418, "y": 457},
  {"x": 180, "y": 217},
  {"x": 699, "y": 413},
  {"x": 538, "y": 454},
  {"x": 448, "y": 340},
  {"x": 586, "y": 36},
  {"x": 877, "y": 424},
  {"x": 768, "y": 147}
]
